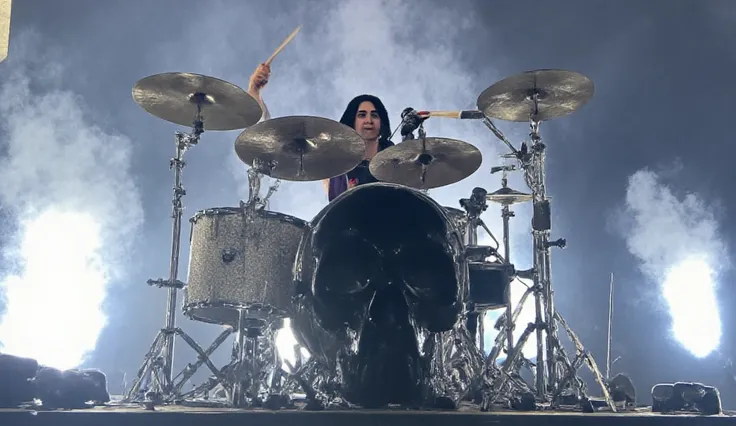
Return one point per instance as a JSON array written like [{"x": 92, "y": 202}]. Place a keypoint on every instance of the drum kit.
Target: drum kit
[{"x": 384, "y": 288}]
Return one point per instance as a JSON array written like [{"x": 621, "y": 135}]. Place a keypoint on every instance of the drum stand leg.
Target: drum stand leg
[
  {"x": 547, "y": 379},
  {"x": 158, "y": 364},
  {"x": 251, "y": 358}
]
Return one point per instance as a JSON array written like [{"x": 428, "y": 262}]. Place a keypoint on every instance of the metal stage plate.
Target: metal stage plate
[{"x": 184, "y": 416}]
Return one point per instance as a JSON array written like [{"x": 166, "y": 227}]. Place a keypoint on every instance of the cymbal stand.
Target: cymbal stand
[
  {"x": 474, "y": 207},
  {"x": 550, "y": 379},
  {"x": 506, "y": 215},
  {"x": 259, "y": 169},
  {"x": 158, "y": 364},
  {"x": 410, "y": 121},
  {"x": 424, "y": 159}
]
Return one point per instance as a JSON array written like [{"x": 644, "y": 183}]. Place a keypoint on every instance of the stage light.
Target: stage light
[
  {"x": 54, "y": 306},
  {"x": 689, "y": 290}
]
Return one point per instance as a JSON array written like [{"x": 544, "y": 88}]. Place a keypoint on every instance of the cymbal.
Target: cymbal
[
  {"x": 448, "y": 161},
  {"x": 507, "y": 196},
  {"x": 559, "y": 93},
  {"x": 174, "y": 97},
  {"x": 304, "y": 148}
]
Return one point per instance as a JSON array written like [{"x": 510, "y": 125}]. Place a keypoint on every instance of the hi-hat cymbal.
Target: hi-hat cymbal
[
  {"x": 447, "y": 161},
  {"x": 303, "y": 148},
  {"x": 174, "y": 97},
  {"x": 507, "y": 196},
  {"x": 559, "y": 93}
]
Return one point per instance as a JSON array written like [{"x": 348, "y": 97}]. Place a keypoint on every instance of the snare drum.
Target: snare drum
[
  {"x": 241, "y": 260},
  {"x": 488, "y": 284}
]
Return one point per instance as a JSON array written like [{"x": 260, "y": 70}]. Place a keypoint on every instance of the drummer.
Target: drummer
[
  {"x": 365, "y": 113},
  {"x": 368, "y": 116}
]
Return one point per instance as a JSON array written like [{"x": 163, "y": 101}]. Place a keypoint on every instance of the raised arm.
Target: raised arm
[{"x": 258, "y": 81}]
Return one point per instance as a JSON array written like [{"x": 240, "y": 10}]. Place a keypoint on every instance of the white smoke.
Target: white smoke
[
  {"x": 67, "y": 182},
  {"x": 676, "y": 238}
]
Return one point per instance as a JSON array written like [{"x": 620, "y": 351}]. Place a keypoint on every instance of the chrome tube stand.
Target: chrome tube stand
[
  {"x": 554, "y": 370},
  {"x": 245, "y": 382},
  {"x": 158, "y": 366},
  {"x": 507, "y": 214},
  {"x": 559, "y": 371},
  {"x": 541, "y": 226},
  {"x": 258, "y": 169},
  {"x": 474, "y": 207}
]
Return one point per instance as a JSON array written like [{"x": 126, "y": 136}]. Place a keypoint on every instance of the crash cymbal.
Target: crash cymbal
[
  {"x": 448, "y": 161},
  {"x": 507, "y": 197},
  {"x": 174, "y": 97},
  {"x": 303, "y": 148},
  {"x": 559, "y": 92}
]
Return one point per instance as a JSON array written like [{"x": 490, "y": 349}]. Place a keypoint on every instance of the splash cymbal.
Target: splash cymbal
[
  {"x": 559, "y": 93},
  {"x": 302, "y": 148},
  {"x": 447, "y": 161},
  {"x": 175, "y": 96}
]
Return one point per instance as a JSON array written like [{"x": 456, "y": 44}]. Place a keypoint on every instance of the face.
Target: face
[{"x": 367, "y": 122}]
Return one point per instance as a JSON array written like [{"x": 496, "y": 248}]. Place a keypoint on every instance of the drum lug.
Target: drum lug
[{"x": 228, "y": 255}]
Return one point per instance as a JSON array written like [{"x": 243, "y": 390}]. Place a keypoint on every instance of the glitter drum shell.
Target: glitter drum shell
[{"x": 241, "y": 259}]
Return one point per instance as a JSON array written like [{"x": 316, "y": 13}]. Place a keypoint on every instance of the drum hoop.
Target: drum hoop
[
  {"x": 225, "y": 211},
  {"x": 255, "y": 310}
]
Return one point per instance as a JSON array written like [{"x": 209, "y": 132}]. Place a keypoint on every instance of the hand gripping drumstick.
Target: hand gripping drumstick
[{"x": 283, "y": 45}]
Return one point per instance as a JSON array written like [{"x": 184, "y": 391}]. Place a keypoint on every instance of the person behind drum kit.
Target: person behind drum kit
[{"x": 368, "y": 116}]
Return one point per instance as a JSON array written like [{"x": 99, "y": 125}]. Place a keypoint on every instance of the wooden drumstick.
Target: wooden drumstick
[
  {"x": 280, "y": 48},
  {"x": 462, "y": 114}
]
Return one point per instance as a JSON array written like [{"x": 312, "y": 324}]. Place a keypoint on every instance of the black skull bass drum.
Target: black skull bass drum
[{"x": 380, "y": 278}]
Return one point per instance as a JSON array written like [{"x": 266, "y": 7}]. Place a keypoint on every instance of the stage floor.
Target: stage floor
[{"x": 183, "y": 416}]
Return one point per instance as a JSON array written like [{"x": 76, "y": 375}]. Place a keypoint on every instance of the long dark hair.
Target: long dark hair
[{"x": 348, "y": 117}]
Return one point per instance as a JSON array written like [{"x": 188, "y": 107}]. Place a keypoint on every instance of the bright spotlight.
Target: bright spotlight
[
  {"x": 689, "y": 290},
  {"x": 54, "y": 307}
]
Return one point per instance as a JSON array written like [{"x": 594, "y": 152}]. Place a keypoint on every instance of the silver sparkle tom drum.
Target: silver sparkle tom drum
[{"x": 241, "y": 260}]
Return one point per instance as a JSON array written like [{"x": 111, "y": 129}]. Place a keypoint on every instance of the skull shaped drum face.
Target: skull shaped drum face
[{"x": 379, "y": 272}]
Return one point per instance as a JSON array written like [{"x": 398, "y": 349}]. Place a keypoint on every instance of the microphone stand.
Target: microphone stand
[{"x": 410, "y": 121}]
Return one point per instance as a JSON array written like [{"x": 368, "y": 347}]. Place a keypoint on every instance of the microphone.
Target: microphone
[{"x": 411, "y": 120}]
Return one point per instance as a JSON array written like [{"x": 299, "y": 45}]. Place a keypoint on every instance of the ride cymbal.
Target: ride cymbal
[
  {"x": 174, "y": 97},
  {"x": 447, "y": 161},
  {"x": 302, "y": 148},
  {"x": 559, "y": 93}
]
